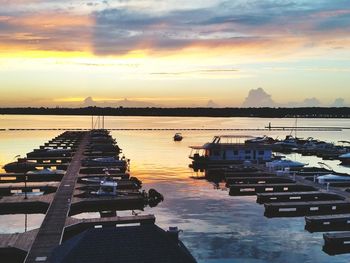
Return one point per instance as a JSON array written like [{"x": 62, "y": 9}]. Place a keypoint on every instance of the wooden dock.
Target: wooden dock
[
  {"x": 24, "y": 241},
  {"x": 66, "y": 194},
  {"x": 258, "y": 180},
  {"x": 51, "y": 231},
  {"x": 339, "y": 222},
  {"x": 296, "y": 196},
  {"x": 75, "y": 226},
  {"x": 336, "y": 243},
  {"x": 253, "y": 189}
]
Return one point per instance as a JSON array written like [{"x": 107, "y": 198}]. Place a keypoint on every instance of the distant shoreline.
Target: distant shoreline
[{"x": 305, "y": 112}]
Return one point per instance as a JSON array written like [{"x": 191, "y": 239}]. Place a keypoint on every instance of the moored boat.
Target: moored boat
[
  {"x": 229, "y": 149},
  {"x": 283, "y": 164},
  {"x": 345, "y": 158}
]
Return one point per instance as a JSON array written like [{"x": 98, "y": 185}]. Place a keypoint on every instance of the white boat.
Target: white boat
[
  {"x": 104, "y": 161},
  {"x": 28, "y": 194},
  {"x": 47, "y": 171},
  {"x": 329, "y": 178},
  {"x": 261, "y": 140},
  {"x": 288, "y": 143},
  {"x": 230, "y": 149},
  {"x": 106, "y": 183},
  {"x": 283, "y": 164}
]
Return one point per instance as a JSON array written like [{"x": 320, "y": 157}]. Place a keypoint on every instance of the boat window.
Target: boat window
[
  {"x": 261, "y": 152},
  {"x": 247, "y": 151},
  {"x": 235, "y": 152}
]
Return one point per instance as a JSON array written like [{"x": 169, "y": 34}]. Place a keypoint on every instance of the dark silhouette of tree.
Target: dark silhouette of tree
[{"x": 304, "y": 112}]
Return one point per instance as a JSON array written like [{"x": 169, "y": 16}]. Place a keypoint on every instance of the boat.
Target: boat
[
  {"x": 229, "y": 149},
  {"x": 289, "y": 143},
  {"x": 283, "y": 164},
  {"x": 47, "y": 171},
  {"x": 105, "y": 188},
  {"x": 101, "y": 147},
  {"x": 261, "y": 140},
  {"x": 104, "y": 161},
  {"x": 20, "y": 166},
  {"x": 178, "y": 137},
  {"x": 48, "y": 152},
  {"x": 345, "y": 158},
  {"x": 28, "y": 194},
  {"x": 330, "y": 178}
]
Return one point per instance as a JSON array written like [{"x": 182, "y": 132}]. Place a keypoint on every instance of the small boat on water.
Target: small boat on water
[
  {"x": 178, "y": 137},
  {"x": 345, "y": 158}
]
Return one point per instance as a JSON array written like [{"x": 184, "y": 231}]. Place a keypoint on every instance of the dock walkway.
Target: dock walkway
[{"x": 51, "y": 230}]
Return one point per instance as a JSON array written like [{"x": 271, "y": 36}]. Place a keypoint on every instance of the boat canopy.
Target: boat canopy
[
  {"x": 345, "y": 155},
  {"x": 201, "y": 147}
]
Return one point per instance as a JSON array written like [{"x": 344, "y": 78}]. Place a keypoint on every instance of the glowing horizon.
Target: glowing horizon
[{"x": 174, "y": 53}]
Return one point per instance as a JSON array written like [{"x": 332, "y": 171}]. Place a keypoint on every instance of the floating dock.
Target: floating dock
[
  {"x": 295, "y": 194},
  {"x": 68, "y": 194}
]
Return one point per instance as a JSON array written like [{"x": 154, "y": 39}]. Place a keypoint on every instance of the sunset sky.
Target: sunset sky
[{"x": 174, "y": 52}]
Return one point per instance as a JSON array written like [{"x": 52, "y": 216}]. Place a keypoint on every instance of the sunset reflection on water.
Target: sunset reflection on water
[{"x": 217, "y": 227}]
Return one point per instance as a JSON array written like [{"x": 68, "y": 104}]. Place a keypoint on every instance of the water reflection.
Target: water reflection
[
  {"x": 217, "y": 227},
  {"x": 19, "y": 223}
]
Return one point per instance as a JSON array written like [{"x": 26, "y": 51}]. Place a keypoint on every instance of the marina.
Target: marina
[
  {"x": 59, "y": 201},
  {"x": 219, "y": 177},
  {"x": 174, "y": 131}
]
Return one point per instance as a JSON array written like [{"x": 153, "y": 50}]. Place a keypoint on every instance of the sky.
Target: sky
[{"x": 172, "y": 53}]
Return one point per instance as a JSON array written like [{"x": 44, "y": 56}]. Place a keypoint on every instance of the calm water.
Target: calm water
[{"x": 216, "y": 227}]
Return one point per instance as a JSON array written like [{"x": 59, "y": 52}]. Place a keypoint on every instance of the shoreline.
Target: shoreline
[{"x": 309, "y": 113}]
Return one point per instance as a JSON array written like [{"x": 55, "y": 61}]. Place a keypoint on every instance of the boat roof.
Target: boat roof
[
  {"x": 235, "y": 146},
  {"x": 234, "y": 136}
]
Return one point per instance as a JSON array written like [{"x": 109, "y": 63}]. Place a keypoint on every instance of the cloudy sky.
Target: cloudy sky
[{"x": 175, "y": 52}]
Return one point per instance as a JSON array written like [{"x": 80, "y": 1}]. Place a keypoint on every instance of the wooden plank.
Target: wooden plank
[
  {"x": 22, "y": 241},
  {"x": 51, "y": 230}
]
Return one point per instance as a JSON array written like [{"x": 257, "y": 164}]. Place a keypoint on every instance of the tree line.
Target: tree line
[{"x": 301, "y": 112}]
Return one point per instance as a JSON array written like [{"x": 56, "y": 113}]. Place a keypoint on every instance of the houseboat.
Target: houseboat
[{"x": 230, "y": 149}]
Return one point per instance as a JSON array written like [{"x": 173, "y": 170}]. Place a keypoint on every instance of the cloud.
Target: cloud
[
  {"x": 121, "y": 27},
  {"x": 90, "y": 102},
  {"x": 339, "y": 102},
  {"x": 258, "y": 98},
  {"x": 212, "y": 104},
  {"x": 310, "y": 102},
  {"x": 199, "y": 71},
  {"x": 232, "y": 24}
]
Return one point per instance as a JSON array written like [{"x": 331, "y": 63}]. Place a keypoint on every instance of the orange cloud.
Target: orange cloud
[{"x": 49, "y": 31}]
